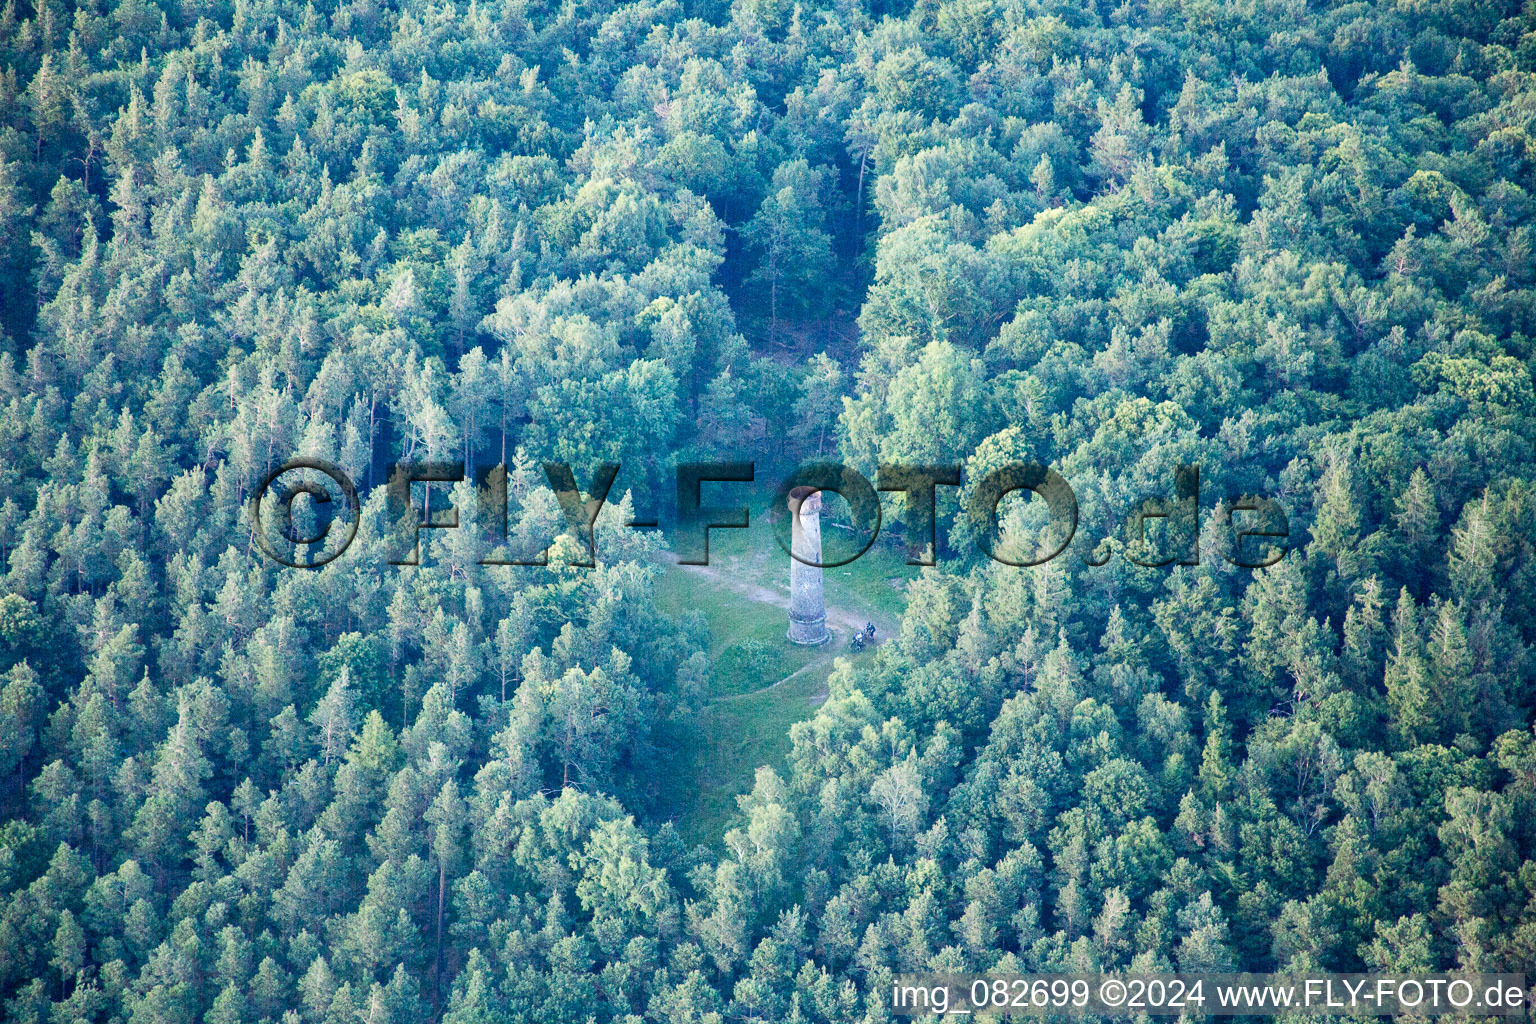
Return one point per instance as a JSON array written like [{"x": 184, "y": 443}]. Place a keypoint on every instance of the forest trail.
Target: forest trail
[
  {"x": 848, "y": 619},
  {"x": 844, "y": 621},
  {"x": 816, "y": 700}
]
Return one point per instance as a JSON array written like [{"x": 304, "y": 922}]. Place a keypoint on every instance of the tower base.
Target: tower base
[{"x": 808, "y": 634}]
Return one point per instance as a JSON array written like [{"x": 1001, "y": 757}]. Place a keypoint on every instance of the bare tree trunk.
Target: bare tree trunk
[
  {"x": 437, "y": 969},
  {"x": 773, "y": 308},
  {"x": 858, "y": 209},
  {"x": 373, "y": 402}
]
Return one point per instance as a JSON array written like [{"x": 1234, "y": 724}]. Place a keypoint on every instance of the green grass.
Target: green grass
[
  {"x": 876, "y": 579},
  {"x": 734, "y": 738},
  {"x": 747, "y": 723},
  {"x": 747, "y": 644}
]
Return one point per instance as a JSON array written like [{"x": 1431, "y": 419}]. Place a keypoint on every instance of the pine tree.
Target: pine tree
[
  {"x": 334, "y": 717},
  {"x": 449, "y": 817},
  {"x": 1407, "y": 673},
  {"x": 68, "y": 949},
  {"x": 789, "y": 240},
  {"x": 48, "y": 99}
]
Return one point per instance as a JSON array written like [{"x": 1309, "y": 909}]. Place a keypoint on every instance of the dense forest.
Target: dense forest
[{"x": 1289, "y": 242}]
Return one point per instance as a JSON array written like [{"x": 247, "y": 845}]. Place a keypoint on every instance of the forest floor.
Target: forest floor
[{"x": 763, "y": 684}]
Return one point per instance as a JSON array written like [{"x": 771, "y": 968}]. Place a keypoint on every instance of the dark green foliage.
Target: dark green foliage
[{"x": 1292, "y": 245}]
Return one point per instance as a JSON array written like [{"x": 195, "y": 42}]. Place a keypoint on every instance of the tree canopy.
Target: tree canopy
[{"x": 1290, "y": 244}]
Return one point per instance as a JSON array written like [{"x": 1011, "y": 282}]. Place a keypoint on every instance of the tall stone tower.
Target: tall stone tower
[{"x": 807, "y": 610}]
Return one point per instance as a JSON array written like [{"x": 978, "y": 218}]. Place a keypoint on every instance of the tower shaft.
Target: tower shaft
[{"x": 807, "y": 608}]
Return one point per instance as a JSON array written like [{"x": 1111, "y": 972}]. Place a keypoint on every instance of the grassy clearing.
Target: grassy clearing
[
  {"x": 747, "y": 724},
  {"x": 878, "y": 580},
  {"x": 747, "y": 644},
  {"x": 875, "y": 580},
  {"x": 735, "y": 737}
]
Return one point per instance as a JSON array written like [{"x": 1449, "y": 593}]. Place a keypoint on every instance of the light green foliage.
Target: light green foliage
[{"x": 1291, "y": 244}]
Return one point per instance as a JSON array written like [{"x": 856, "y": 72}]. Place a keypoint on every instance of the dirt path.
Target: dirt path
[
  {"x": 844, "y": 622},
  {"x": 817, "y": 698},
  {"x": 845, "y": 618}
]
